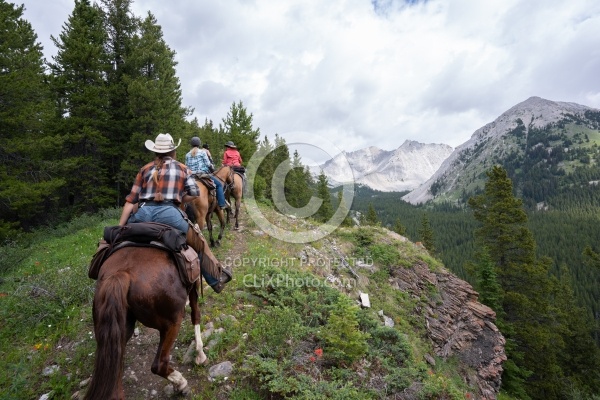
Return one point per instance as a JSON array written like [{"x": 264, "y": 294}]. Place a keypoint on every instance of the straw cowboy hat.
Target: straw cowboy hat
[{"x": 164, "y": 143}]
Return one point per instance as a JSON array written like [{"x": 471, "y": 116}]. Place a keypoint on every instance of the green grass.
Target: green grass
[
  {"x": 46, "y": 306},
  {"x": 277, "y": 325}
]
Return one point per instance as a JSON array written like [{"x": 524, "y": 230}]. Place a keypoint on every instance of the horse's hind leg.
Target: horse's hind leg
[
  {"x": 209, "y": 226},
  {"x": 195, "y": 314},
  {"x": 161, "y": 366},
  {"x": 221, "y": 225},
  {"x": 237, "y": 212}
]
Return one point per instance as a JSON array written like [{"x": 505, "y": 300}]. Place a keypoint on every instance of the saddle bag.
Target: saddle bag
[
  {"x": 148, "y": 234},
  {"x": 104, "y": 249},
  {"x": 189, "y": 265}
]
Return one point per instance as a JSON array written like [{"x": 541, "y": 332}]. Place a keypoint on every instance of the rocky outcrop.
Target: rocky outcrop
[{"x": 457, "y": 324}]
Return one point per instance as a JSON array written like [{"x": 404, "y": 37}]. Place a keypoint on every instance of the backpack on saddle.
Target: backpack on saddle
[{"x": 148, "y": 234}]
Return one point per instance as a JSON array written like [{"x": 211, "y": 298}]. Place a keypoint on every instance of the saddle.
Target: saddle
[
  {"x": 148, "y": 234},
  {"x": 206, "y": 180}
]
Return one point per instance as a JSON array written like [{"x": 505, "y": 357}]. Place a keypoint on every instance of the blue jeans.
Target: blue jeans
[
  {"x": 168, "y": 215},
  {"x": 220, "y": 194}
]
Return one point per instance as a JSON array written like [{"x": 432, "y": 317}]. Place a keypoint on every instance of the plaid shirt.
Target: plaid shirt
[
  {"x": 174, "y": 180},
  {"x": 199, "y": 162}
]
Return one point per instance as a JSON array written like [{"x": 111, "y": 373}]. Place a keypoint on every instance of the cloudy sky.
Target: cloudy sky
[{"x": 369, "y": 72}]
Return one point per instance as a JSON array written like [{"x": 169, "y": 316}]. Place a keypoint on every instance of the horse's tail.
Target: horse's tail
[{"x": 110, "y": 310}]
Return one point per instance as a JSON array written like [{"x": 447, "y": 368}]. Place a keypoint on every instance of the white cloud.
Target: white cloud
[{"x": 432, "y": 71}]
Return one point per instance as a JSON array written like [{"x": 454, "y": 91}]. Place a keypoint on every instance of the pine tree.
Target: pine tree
[
  {"x": 79, "y": 87},
  {"x": 347, "y": 221},
  {"x": 121, "y": 26},
  {"x": 325, "y": 212},
  {"x": 371, "y": 217},
  {"x": 503, "y": 228},
  {"x": 154, "y": 95},
  {"x": 345, "y": 342},
  {"x": 299, "y": 192},
  {"x": 533, "y": 340},
  {"x": 426, "y": 235},
  {"x": 29, "y": 170},
  {"x": 490, "y": 291},
  {"x": 237, "y": 126},
  {"x": 280, "y": 192},
  {"x": 399, "y": 228},
  {"x": 265, "y": 171}
]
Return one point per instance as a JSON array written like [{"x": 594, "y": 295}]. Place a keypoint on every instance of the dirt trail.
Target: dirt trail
[{"x": 139, "y": 382}]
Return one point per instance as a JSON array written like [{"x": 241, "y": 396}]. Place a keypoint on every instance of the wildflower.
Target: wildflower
[
  {"x": 37, "y": 346},
  {"x": 312, "y": 359},
  {"x": 319, "y": 352}
]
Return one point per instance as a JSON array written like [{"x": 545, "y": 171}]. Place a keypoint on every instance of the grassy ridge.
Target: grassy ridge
[{"x": 293, "y": 332}]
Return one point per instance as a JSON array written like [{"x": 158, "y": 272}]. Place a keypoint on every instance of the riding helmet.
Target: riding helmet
[{"x": 196, "y": 141}]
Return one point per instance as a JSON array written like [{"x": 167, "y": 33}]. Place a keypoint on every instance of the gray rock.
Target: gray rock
[
  {"x": 50, "y": 370},
  {"x": 223, "y": 369}
]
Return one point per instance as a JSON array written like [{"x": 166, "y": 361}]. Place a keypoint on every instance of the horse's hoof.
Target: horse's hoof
[
  {"x": 172, "y": 391},
  {"x": 201, "y": 358},
  {"x": 185, "y": 391}
]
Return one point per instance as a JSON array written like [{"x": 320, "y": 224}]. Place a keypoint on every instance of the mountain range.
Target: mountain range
[
  {"x": 537, "y": 136},
  {"x": 550, "y": 149},
  {"x": 402, "y": 169}
]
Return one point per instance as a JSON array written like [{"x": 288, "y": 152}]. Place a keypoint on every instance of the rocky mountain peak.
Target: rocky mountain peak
[
  {"x": 401, "y": 169},
  {"x": 535, "y": 112}
]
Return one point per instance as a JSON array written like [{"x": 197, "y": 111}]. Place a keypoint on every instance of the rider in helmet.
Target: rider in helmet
[{"x": 197, "y": 160}]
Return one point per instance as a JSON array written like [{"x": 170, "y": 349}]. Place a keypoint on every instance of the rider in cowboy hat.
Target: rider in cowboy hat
[
  {"x": 159, "y": 188},
  {"x": 231, "y": 156}
]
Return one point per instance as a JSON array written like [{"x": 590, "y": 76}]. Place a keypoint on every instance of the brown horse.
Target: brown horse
[
  {"x": 233, "y": 185},
  {"x": 203, "y": 208},
  {"x": 142, "y": 284}
]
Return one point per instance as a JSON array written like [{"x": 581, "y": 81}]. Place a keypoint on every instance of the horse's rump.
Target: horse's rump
[
  {"x": 150, "y": 271},
  {"x": 139, "y": 284}
]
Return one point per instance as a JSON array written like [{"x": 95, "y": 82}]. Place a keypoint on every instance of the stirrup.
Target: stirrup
[{"x": 225, "y": 277}]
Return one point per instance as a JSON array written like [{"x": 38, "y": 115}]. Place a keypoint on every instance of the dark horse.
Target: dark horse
[
  {"x": 203, "y": 207},
  {"x": 142, "y": 284},
  {"x": 233, "y": 185}
]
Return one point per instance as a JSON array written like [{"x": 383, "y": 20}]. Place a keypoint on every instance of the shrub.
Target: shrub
[
  {"x": 274, "y": 328},
  {"x": 345, "y": 343}
]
